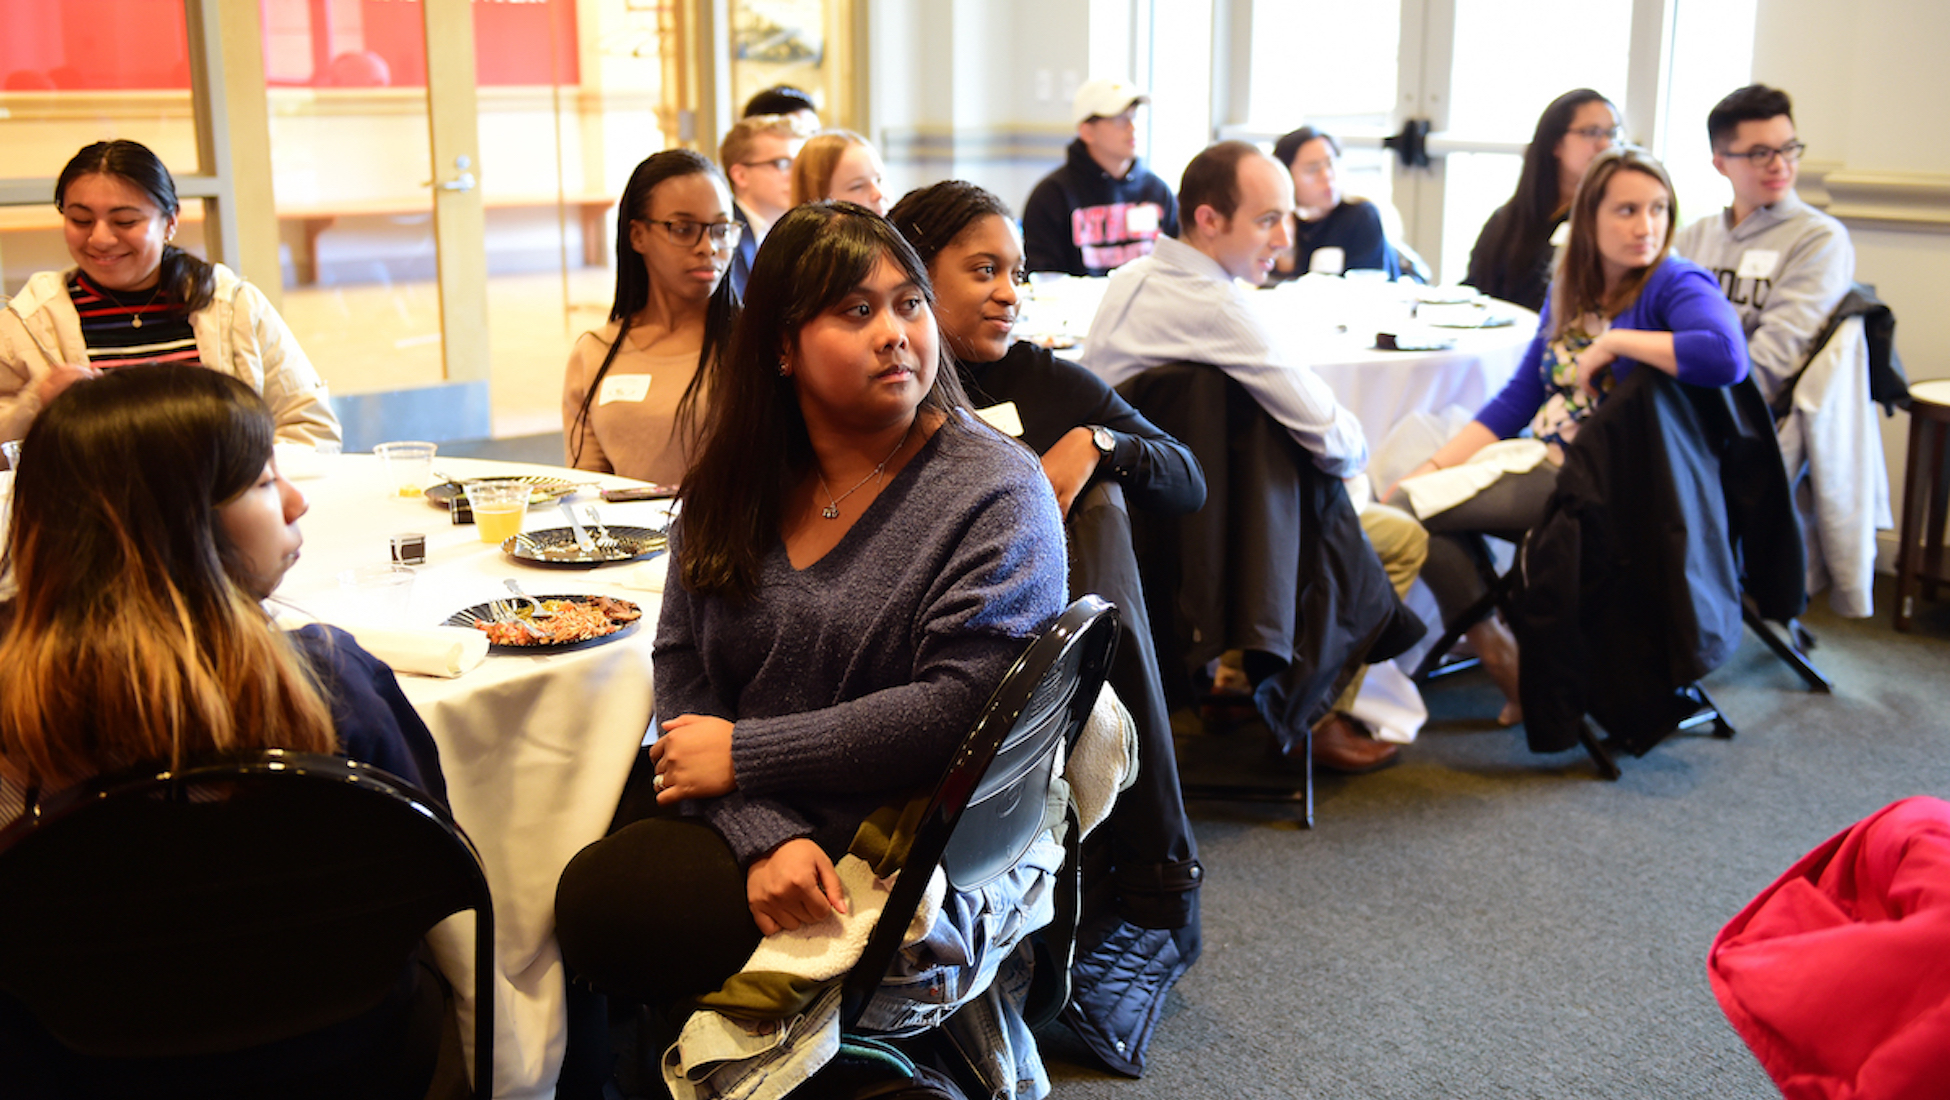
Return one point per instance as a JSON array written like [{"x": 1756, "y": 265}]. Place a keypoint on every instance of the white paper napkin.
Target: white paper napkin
[
  {"x": 647, "y": 575},
  {"x": 446, "y": 651}
]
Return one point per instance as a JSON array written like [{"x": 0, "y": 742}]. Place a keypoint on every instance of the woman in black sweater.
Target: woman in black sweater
[{"x": 1140, "y": 911}]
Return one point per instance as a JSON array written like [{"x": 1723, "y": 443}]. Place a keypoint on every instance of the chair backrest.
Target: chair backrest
[
  {"x": 235, "y": 902},
  {"x": 1888, "y": 384},
  {"x": 988, "y": 807}
]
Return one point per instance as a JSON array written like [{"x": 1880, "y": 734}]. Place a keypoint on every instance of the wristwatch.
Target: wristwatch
[{"x": 1105, "y": 442}]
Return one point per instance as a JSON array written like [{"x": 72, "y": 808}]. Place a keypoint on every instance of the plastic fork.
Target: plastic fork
[
  {"x": 534, "y": 605},
  {"x": 501, "y": 612},
  {"x": 603, "y": 538}
]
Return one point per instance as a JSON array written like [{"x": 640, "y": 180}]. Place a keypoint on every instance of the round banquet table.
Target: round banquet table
[
  {"x": 1382, "y": 387},
  {"x": 535, "y": 747},
  {"x": 1330, "y": 323}
]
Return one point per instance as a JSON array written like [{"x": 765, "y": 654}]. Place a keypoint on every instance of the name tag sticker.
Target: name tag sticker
[
  {"x": 1142, "y": 218},
  {"x": 1758, "y": 263},
  {"x": 1003, "y": 418},
  {"x": 623, "y": 387}
]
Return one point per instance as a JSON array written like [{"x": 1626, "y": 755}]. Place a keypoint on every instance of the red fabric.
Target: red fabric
[{"x": 1838, "y": 974}]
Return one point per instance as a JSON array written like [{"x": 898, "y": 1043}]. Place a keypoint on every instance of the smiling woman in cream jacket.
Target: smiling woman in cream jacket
[{"x": 132, "y": 296}]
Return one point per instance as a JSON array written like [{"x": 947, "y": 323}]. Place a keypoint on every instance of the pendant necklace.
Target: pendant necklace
[
  {"x": 135, "y": 316},
  {"x": 832, "y": 509}
]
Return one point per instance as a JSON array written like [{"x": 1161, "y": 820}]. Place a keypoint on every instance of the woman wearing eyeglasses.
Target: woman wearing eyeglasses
[
  {"x": 634, "y": 392},
  {"x": 1327, "y": 217},
  {"x": 1512, "y": 257}
]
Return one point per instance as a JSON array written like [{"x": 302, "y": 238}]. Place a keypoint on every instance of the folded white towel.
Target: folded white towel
[
  {"x": 1437, "y": 492},
  {"x": 446, "y": 651}
]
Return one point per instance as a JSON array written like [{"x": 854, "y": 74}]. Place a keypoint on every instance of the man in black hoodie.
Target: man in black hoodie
[{"x": 1103, "y": 208}]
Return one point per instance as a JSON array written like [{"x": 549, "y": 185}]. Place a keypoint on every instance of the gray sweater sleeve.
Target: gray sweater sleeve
[{"x": 1811, "y": 280}]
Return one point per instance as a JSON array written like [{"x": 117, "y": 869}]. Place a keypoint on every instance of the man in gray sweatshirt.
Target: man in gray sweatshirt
[{"x": 1782, "y": 264}]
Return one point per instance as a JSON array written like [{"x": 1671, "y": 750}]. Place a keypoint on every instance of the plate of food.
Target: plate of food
[
  {"x": 558, "y": 545},
  {"x": 563, "y": 622},
  {"x": 542, "y": 490}
]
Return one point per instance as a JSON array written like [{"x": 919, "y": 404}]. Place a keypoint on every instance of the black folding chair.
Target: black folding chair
[
  {"x": 988, "y": 807},
  {"x": 193, "y": 918}
]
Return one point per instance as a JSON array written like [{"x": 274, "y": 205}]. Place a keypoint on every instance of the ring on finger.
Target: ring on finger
[{"x": 657, "y": 784}]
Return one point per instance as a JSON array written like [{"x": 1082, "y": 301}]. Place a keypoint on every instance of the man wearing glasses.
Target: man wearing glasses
[
  {"x": 1783, "y": 264},
  {"x": 757, "y": 158}
]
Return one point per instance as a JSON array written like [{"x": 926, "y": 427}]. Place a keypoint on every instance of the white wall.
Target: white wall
[
  {"x": 1870, "y": 99},
  {"x": 980, "y": 89}
]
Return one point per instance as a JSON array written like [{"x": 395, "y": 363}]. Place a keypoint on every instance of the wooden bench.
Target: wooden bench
[{"x": 313, "y": 219}]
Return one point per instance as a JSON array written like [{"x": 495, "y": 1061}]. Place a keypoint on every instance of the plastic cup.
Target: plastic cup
[
  {"x": 409, "y": 466},
  {"x": 378, "y": 594},
  {"x": 499, "y": 507}
]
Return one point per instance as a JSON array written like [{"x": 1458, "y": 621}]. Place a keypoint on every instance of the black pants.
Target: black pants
[{"x": 655, "y": 912}]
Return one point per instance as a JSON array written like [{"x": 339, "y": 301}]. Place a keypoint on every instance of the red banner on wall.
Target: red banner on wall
[{"x": 94, "y": 45}]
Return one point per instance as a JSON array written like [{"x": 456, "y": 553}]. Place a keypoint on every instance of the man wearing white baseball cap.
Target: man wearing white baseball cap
[{"x": 1103, "y": 208}]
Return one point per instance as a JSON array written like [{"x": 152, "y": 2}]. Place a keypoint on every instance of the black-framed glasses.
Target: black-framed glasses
[
  {"x": 1598, "y": 133},
  {"x": 1760, "y": 156},
  {"x": 777, "y": 164},
  {"x": 686, "y": 232}
]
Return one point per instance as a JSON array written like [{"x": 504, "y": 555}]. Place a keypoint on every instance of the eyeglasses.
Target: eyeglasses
[
  {"x": 686, "y": 232},
  {"x": 777, "y": 164},
  {"x": 1760, "y": 156},
  {"x": 1599, "y": 133}
]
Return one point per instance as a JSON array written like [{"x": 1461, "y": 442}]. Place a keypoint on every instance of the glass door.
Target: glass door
[
  {"x": 445, "y": 173},
  {"x": 374, "y": 238}
]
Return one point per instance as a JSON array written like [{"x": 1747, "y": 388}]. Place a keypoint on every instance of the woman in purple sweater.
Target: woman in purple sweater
[
  {"x": 1618, "y": 301},
  {"x": 858, "y": 561}
]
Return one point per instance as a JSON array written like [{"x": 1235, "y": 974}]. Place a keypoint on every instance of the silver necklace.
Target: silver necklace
[
  {"x": 135, "y": 316},
  {"x": 832, "y": 509}
]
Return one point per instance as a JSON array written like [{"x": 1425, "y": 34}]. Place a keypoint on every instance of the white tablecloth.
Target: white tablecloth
[
  {"x": 1331, "y": 324},
  {"x": 535, "y": 748}
]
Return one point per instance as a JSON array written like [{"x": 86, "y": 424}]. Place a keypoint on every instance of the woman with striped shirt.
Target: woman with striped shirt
[{"x": 133, "y": 297}]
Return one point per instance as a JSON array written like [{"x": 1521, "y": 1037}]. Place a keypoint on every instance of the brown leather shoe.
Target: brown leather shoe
[{"x": 1342, "y": 744}]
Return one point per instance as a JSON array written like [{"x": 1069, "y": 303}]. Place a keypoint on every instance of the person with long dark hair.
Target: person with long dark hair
[
  {"x": 1141, "y": 901},
  {"x": 133, "y": 296},
  {"x": 857, "y": 561},
  {"x": 1620, "y": 301},
  {"x": 149, "y": 524},
  {"x": 635, "y": 390},
  {"x": 1513, "y": 253}
]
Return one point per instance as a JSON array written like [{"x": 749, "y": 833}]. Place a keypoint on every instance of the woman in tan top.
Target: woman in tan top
[{"x": 633, "y": 394}]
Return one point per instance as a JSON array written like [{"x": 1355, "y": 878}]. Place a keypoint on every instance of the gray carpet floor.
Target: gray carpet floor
[{"x": 1480, "y": 921}]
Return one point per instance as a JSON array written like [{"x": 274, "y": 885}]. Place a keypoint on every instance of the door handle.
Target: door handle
[{"x": 463, "y": 182}]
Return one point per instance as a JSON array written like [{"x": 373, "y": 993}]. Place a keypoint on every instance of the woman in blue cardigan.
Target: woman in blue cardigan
[{"x": 1618, "y": 302}]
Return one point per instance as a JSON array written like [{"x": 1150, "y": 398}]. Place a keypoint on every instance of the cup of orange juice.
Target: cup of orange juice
[{"x": 499, "y": 507}]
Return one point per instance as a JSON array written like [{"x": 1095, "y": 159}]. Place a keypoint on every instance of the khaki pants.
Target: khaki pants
[{"x": 1402, "y": 545}]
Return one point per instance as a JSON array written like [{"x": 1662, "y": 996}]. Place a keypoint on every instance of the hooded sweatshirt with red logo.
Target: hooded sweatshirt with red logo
[{"x": 1082, "y": 221}]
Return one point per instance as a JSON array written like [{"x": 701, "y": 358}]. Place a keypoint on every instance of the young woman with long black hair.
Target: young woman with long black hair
[
  {"x": 635, "y": 390},
  {"x": 1513, "y": 253}
]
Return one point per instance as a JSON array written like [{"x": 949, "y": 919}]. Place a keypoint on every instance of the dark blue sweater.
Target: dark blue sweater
[{"x": 851, "y": 681}]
